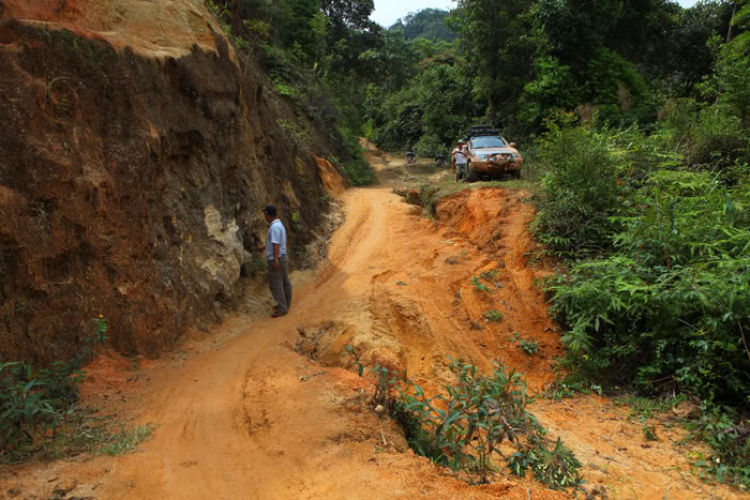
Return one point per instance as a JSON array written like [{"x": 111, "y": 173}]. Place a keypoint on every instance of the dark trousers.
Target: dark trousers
[{"x": 278, "y": 282}]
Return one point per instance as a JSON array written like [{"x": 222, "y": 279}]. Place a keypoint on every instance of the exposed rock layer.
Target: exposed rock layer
[{"x": 136, "y": 152}]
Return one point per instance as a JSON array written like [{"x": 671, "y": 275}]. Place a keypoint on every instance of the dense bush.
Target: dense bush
[
  {"x": 353, "y": 164},
  {"x": 665, "y": 302},
  {"x": 579, "y": 191},
  {"x": 395, "y": 120},
  {"x": 728, "y": 434},
  {"x": 662, "y": 303},
  {"x": 313, "y": 98}
]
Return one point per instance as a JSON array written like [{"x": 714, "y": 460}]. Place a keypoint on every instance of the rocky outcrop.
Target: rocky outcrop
[{"x": 136, "y": 152}]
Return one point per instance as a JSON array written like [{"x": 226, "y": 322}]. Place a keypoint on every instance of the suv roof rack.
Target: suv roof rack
[{"x": 482, "y": 130}]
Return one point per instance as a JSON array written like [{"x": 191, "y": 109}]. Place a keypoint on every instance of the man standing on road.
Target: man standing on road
[
  {"x": 278, "y": 274},
  {"x": 460, "y": 156}
]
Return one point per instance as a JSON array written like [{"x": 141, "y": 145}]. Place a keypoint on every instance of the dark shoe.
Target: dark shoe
[{"x": 277, "y": 313}]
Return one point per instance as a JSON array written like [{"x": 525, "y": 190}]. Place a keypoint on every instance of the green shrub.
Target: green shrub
[
  {"x": 397, "y": 119},
  {"x": 557, "y": 468},
  {"x": 478, "y": 285},
  {"x": 710, "y": 137},
  {"x": 529, "y": 347},
  {"x": 429, "y": 145},
  {"x": 34, "y": 400},
  {"x": 464, "y": 428},
  {"x": 659, "y": 295},
  {"x": 579, "y": 192},
  {"x": 354, "y": 167},
  {"x": 729, "y": 436},
  {"x": 668, "y": 308}
]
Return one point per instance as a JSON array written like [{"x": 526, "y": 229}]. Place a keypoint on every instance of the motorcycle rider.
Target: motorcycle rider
[{"x": 411, "y": 156}]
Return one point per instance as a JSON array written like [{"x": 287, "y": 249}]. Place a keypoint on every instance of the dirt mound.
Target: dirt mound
[
  {"x": 132, "y": 187},
  {"x": 333, "y": 183},
  {"x": 482, "y": 216}
]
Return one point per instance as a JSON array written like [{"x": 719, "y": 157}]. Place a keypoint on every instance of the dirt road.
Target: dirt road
[{"x": 269, "y": 408}]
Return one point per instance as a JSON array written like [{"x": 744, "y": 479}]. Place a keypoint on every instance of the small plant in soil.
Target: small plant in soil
[
  {"x": 649, "y": 432},
  {"x": 478, "y": 285},
  {"x": 489, "y": 275},
  {"x": 557, "y": 468},
  {"x": 389, "y": 380},
  {"x": 355, "y": 355},
  {"x": 493, "y": 315},
  {"x": 529, "y": 347},
  {"x": 566, "y": 387}
]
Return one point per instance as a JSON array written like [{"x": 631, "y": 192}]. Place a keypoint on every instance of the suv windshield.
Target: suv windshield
[{"x": 487, "y": 142}]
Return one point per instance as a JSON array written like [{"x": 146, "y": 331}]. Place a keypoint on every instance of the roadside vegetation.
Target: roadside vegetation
[
  {"x": 652, "y": 223},
  {"x": 477, "y": 425},
  {"x": 40, "y": 415},
  {"x": 310, "y": 49}
]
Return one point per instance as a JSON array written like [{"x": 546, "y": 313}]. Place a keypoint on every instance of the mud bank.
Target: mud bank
[{"x": 136, "y": 153}]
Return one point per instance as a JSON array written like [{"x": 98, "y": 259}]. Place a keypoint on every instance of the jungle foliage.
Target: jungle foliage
[
  {"x": 515, "y": 63},
  {"x": 311, "y": 50},
  {"x": 654, "y": 224},
  {"x": 634, "y": 115}
]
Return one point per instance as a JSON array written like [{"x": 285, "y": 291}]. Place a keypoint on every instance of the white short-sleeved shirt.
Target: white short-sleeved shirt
[
  {"x": 460, "y": 156},
  {"x": 276, "y": 235}
]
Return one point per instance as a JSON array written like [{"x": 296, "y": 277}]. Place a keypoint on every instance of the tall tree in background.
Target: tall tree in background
[
  {"x": 427, "y": 23},
  {"x": 494, "y": 36}
]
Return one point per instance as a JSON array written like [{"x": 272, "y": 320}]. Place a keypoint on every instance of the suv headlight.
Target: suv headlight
[
  {"x": 482, "y": 157},
  {"x": 515, "y": 156}
]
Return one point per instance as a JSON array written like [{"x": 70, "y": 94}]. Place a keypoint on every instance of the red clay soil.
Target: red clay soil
[
  {"x": 242, "y": 414},
  {"x": 136, "y": 155}
]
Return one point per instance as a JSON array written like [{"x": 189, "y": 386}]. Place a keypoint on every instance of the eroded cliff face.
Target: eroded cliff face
[{"x": 136, "y": 152}]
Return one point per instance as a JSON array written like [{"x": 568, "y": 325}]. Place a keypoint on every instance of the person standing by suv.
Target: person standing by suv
[
  {"x": 459, "y": 155},
  {"x": 278, "y": 274}
]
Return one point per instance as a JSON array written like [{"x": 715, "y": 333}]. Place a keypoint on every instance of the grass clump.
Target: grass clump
[
  {"x": 493, "y": 315},
  {"x": 100, "y": 435},
  {"x": 126, "y": 440},
  {"x": 478, "y": 285}
]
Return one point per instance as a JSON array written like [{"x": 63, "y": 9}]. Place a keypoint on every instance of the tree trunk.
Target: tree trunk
[
  {"x": 492, "y": 111},
  {"x": 731, "y": 22}
]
